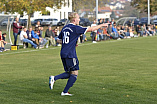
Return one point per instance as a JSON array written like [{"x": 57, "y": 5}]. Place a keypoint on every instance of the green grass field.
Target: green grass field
[{"x": 111, "y": 72}]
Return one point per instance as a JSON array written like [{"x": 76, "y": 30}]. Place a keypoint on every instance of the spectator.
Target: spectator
[
  {"x": 100, "y": 21},
  {"x": 104, "y": 21},
  {"x": 24, "y": 38},
  {"x": 122, "y": 29},
  {"x": 56, "y": 32},
  {"x": 129, "y": 23},
  {"x": 29, "y": 35},
  {"x": 113, "y": 22},
  {"x": 81, "y": 38},
  {"x": 84, "y": 38},
  {"x": 138, "y": 30},
  {"x": 41, "y": 31},
  {"x": 144, "y": 30},
  {"x": 109, "y": 32},
  {"x": 1, "y": 41},
  {"x": 105, "y": 34},
  {"x": 16, "y": 31},
  {"x": 39, "y": 41},
  {"x": 126, "y": 31},
  {"x": 49, "y": 35},
  {"x": 114, "y": 30},
  {"x": 154, "y": 29},
  {"x": 150, "y": 29},
  {"x": 100, "y": 34},
  {"x": 38, "y": 24},
  {"x": 93, "y": 33},
  {"x": 131, "y": 32},
  {"x": 43, "y": 41}
]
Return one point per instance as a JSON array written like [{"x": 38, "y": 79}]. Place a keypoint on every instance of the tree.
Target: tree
[
  {"x": 29, "y": 6},
  {"x": 86, "y": 4},
  {"x": 142, "y": 5}
]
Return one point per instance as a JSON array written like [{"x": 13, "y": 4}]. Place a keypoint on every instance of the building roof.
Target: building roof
[{"x": 104, "y": 9}]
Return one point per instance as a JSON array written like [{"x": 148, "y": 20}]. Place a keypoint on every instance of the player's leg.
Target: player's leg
[
  {"x": 73, "y": 76},
  {"x": 64, "y": 75},
  {"x": 70, "y": 83}
]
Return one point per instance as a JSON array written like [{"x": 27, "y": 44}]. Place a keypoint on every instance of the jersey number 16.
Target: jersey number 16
[{"x": 66, "y": 37}]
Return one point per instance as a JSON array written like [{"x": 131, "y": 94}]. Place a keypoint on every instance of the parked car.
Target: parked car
[
  {"x": 144, "y": 20},
  {"x": 51, "y": 22},
  {"x": 23, "y": 22},
  {"x": 136, "y": 22},
  {"x": 84, "y": 22},
  {"x": 5, "y": 22},
  {"x": 62, "y": 22},
  {"x": 154, "y": 21},
  {"x": 34, "y": 22}
]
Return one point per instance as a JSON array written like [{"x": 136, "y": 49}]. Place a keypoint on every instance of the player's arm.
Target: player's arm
[
  {"x": 25, "y": 36},
  {"x": 93, "y": 28}
]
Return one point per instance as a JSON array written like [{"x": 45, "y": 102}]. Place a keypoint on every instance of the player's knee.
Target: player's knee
[
  {"x": 75, "y": 76},
  {"x": 74, "y": 72}
]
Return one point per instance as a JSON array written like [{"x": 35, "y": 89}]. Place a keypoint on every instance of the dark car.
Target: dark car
[
  {"x": 62, "y": 22},
  {"x": 84, "y": 22},
  {"x": 23, "y": 22},
  {"x": 35, "y": 21},
  {"x": 144, "y": 20},
  {"x": 136, "y": 22}
]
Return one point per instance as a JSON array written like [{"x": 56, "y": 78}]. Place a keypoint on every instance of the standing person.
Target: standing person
[
  {"x": 94, "y": 32},
  {"x": 113, "y": 22},
  {"x": 68, "y": 37},
  {"x": 16, "y": 27}
]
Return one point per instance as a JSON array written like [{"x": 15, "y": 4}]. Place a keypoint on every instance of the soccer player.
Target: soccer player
[{"x": 68, "y": 37}]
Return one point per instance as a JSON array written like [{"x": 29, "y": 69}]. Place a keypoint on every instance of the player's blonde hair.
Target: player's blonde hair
[{"x": 72, "y": 16}]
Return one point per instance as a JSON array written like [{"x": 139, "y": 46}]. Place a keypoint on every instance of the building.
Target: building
[
  {"x": 104, "y": 12},
  {"x": 53, "y": 12}
]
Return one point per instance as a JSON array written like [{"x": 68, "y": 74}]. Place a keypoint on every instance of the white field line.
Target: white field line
[{"x": 35, "y": 50}]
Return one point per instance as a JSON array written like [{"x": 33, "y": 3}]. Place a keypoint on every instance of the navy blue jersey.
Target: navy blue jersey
[{"x": 69, "y": 36}]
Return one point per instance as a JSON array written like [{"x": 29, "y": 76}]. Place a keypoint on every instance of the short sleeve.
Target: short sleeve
[{"x": 81, "y": 30}]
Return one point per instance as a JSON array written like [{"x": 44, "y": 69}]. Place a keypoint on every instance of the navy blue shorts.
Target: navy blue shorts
[{"x": 70, "y": 64}]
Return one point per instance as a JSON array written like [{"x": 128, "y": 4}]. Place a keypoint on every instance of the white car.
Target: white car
[
  {"x": 155, "y": 21},
  {"x": 49, "y": 22},
  {"x": 5, "y": 22}
]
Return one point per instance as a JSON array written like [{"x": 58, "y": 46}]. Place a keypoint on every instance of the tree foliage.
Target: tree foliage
[
  {"x": 142, "y": 5},
  {"x": 29, "y": 6},
  {"x": 87, "y": 4}
]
